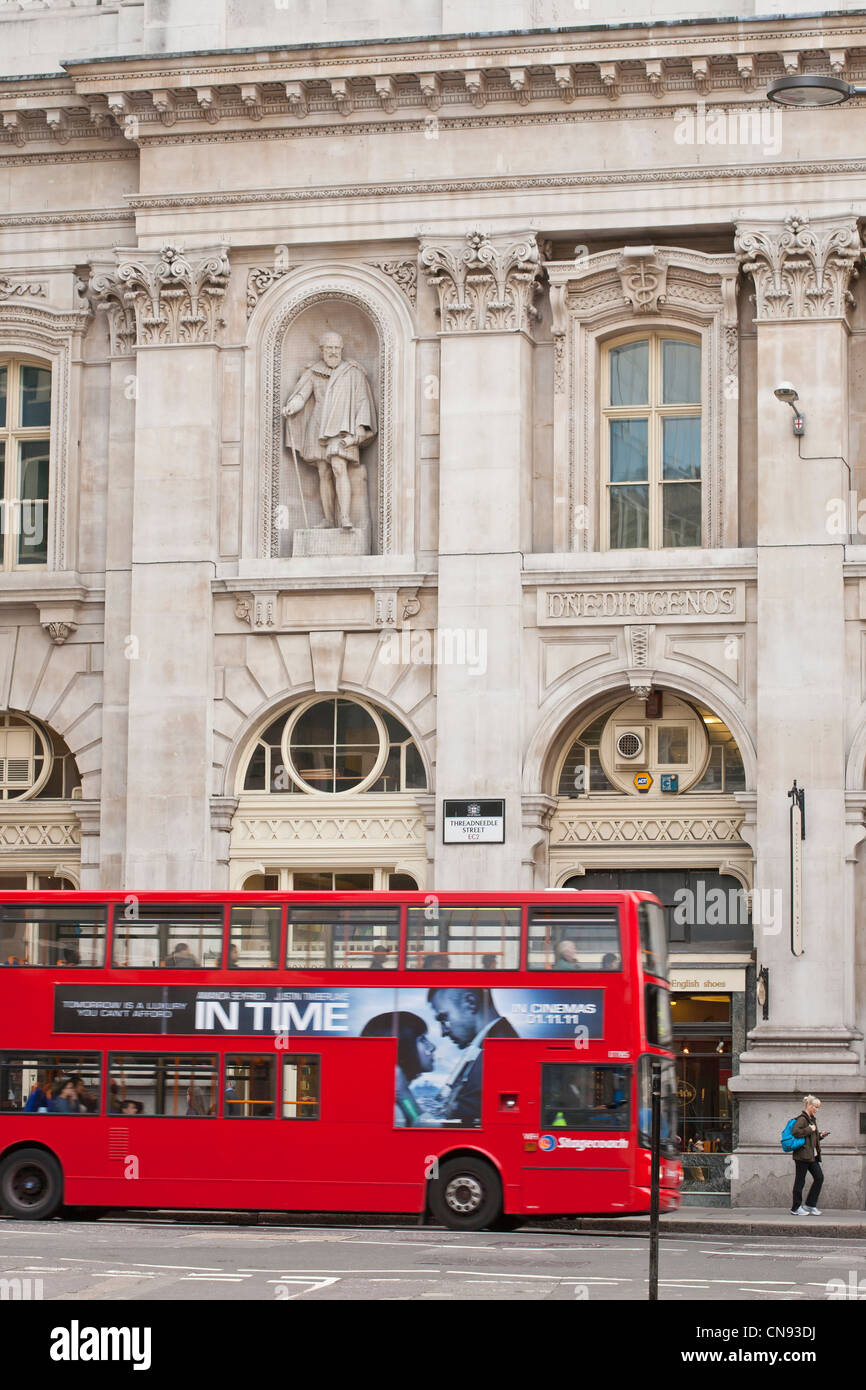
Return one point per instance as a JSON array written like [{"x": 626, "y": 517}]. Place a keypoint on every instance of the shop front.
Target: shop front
[{"x": 708, "y": 1011}]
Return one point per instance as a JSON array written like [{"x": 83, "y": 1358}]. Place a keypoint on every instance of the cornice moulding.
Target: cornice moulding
[
  {"x": 437, "y": 53},
  {"x": 607, "y": 178}
]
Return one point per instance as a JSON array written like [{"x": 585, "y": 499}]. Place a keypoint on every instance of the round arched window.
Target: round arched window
[
  {"x": 335, "y": 746},
  {"x": 682, "y": 742},
  {"x": 25, "y": 757}
]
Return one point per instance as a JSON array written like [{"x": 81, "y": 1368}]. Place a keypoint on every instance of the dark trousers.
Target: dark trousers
[{"x": 801, "y": 1168}]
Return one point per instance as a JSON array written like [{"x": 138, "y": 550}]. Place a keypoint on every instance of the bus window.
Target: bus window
[
  {"x": 574, "y": 938},
  {"x": 254, "y": 938},
  {"x": 463, "y": 938},
  {"x": 301, "y": 1087},
  {"x": 653, "y": 939},
  {"x": 177, "y": 1084},
  {"x": 580, "y": 1095},
  {"x": 250, "y": 1089},
  {"x": 33, "y": 1082},
  {"x": 343, "y": 938},
  {"x": 183, "y": 937},
  {"x": 49, "y": 935},
  {"x": 659, "y": 1032}
]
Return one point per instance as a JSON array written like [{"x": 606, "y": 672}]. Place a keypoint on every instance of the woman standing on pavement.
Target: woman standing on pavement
[{"x": 807, "y": 1159}]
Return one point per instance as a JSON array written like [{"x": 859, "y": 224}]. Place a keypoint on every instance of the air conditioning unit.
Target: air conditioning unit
[{"x": 630, "y": 747}]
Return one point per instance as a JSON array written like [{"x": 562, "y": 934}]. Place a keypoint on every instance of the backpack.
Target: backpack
[{"x": 789, "y": 1143}]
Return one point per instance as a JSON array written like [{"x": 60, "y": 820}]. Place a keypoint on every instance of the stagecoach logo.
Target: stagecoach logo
[{"x": 552, "y": 1141}]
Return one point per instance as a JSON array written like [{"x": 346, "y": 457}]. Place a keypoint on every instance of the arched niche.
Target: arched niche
[{"x": 372, "y": 316}]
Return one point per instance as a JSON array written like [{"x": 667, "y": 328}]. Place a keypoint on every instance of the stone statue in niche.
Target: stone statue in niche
[{"x": 329, "y": 417}]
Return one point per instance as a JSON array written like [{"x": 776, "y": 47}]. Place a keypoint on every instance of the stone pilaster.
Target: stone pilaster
[
  {"x": 485, "y": 286},
  {"x": 89, "y": 815},
  {"x": 802, "y": 273},
  {"x": 176, "y": 299}
]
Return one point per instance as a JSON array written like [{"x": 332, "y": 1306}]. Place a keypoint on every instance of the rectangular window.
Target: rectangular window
[
  {"x": 463, "y": 938},
  {"x": 653, "y": 939},
  {"x": 150, "y": 1083},
  {"x": 250, "y": 1087},
  {"x": 651, "y": 403},
  {"x": 673, "y": 745},
  {"x": 580, "y": 1095},
  {"x": 343, "y": 938},
  {"x": 301, "y": 1087},
  {"x": 659, "y": 1032},
  {"x": 180, "y": 937},
  {"x": 578, "y": 938},
  {"x": 25, "y": 436},
  {"x": 32, "y": 517},
  {"x": 254, "y": 938},
  {"x": 38, "y": 1083},
  {"x": 35, "y": 398},
  {"x": 52, "y": 936}
]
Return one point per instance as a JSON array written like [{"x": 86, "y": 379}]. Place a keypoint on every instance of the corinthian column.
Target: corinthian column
[
  {"x": 176, "y": 301},
  {"x": 802, "y": 273},
  {"x": 485, "y": 284}
]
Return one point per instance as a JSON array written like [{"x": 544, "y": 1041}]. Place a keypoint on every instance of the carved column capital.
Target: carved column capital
[
  {"x": 486, "y": 282},
  {"x": 174, "y": 296},
  {"x": 104, "y": 292},
  {"x": 801, "y": 267}
]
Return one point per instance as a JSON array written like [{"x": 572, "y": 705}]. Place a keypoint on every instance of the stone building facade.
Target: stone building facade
[{"x": 532, "y": 292}]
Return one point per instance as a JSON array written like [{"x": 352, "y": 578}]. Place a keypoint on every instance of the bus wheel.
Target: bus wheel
[
  {"x": 467, "y": 1195},
  {"x": 31, "y": 1184}
]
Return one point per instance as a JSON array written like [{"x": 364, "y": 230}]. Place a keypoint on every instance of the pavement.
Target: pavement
[{"x": 747, "y": 1221}]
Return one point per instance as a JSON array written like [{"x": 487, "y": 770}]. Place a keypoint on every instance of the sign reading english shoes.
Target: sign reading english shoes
[{"x": 620, "y": 603}]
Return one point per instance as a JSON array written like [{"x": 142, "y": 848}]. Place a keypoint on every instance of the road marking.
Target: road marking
[
  {"x": 747, "y": 1288},
  {"x": 494, "y": 1274},
  {"x": 202, "y": 1269},
  {"x": 672, "y": 1284},
  {"x": 213, "y": 1278},
  {"x": 244, "y": 1269},
  {"x": 774, "y": 1282}
]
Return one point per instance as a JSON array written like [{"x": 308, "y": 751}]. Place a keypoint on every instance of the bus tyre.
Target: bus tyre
[
  {"x": 31, "y": 1184},
  {"x": 467, "y": 1195}
]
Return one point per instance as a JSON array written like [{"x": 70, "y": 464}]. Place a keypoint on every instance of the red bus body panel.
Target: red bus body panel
[{"x": 352, "y": 1158}]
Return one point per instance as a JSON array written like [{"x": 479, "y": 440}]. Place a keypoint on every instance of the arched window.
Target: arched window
[
  {"x": 33, "y": 762},
  {"x": 335, "y": 746},
  {"x": 651, "y": 442},
  {"x": 684, "y": 743},
  {"x": 25, "y": 430}
]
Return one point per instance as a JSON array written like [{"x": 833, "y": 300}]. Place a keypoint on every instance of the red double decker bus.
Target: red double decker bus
[{"x": 478, "y": 1058}]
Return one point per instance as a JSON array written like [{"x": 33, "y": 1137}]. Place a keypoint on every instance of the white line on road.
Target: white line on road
[
  {"x": 202, "y": 1269},
  {"x": 213, "y": 1278},
  {"x": 494, "y": 1274},
  {"x": 299, "y": 1273}
]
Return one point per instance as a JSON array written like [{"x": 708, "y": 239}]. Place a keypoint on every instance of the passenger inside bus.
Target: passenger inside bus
[{"x": 182, "y": 958}]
